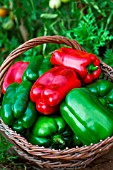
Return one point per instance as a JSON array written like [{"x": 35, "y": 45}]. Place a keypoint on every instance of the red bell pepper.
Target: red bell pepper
[
  {"x": 50, "y": 89},
  {"x": 86, "y": 65},
  {"x": 14, "y": 74}
]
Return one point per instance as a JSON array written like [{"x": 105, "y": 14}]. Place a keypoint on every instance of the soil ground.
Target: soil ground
[{"x": 103, "y": 163}]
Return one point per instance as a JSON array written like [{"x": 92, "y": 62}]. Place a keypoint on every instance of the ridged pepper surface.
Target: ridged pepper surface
[
  {"x": 17, "y": 110},
  {"x": 7, "y": 102},
  {"x": 85, "y": 64},
  {"x": 31, "y": 73},
  {"x": 87, "y": 116},
  {"x": 50, "y": 89},
  {"x": 28, "y": 118},
  {"x": 37, "y": 66}
]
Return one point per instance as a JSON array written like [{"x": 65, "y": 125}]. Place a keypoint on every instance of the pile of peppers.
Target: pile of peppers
[{"x": 58, "y": 101}]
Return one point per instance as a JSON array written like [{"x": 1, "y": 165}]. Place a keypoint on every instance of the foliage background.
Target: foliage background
[
  {"x": 90, "y": 22},
  {"x": 87, "y": 21}
]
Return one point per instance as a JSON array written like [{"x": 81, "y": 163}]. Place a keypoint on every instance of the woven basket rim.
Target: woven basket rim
[
  {"x": 18, "y": 136},
  {"x": 79, "y": 153}
]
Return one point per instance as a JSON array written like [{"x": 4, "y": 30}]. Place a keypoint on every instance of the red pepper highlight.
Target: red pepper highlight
[
  {"x": 14, "y": 74},
  {"x": 86, "y": 65},
  {"x": 51, "y": 88}
]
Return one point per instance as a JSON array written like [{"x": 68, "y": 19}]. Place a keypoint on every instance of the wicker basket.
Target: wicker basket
[{"x": 74, "y": 158}]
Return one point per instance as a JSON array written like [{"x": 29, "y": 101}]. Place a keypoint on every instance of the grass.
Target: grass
[{"x": 9, "y": 159}]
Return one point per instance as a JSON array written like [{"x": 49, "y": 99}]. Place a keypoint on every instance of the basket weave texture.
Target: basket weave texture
[{"x": 74, "y": 158}]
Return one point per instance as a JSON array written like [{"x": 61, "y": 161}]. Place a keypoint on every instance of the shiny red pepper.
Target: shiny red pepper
[
  {"x": 86, "y": 65},
  {"x": 14, "y": 74},
  {"x": 50, "y": 89}
]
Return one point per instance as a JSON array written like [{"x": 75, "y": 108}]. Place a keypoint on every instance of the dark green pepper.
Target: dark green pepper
[
  {"x": 6, "y": 109},
  {"x": 31, "y": 73},
  {"x": 17, "y": 126},
  {"x": 37, "y": 66},
  {"x": 30, "y": 115},
  {"x": 76, "y": 141},
  {"x": 28, "y": 118},
  {"x": 51, "y": 132},
  {"x": 45, "y": 66},
  {"x": 103, "y": 89},
  {"x": 86, "y": 116},
  {"x": 21, "y": 98}
]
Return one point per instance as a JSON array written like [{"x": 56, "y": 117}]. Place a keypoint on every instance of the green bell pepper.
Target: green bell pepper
[
  {"x": 28, "y": 118},
  {"x": 17, "y": 126},
  {"x": 103, "y": 89},
  {"x": 52, "y": 132},
  {"x": 21, "y": 98},
  {"x": 76, "y": 141},
  {"x": 31, "y": 73},
  {"x": 45, "y": 66},
  {"x": 86, "y": 116},
  {"x": 37, "y": 66},
  {"x": 6, "y": 107},
  {"x": 17, "y": 109},
  {"x": 29, "y": 115}
]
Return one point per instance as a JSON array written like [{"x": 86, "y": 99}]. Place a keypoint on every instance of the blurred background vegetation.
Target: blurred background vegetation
[{"x": 90, "y": 22}]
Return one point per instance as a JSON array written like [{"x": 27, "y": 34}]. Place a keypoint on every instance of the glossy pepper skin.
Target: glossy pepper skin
[
  {"x": 76, "y": 141},
  {"x": 50, "y": 89},
  {"x": 86, "y": 65},
  {"x": 31, "y": 73},
  {"x": 37, "y": 66},
  {"x": 14, "y": 74},
  {"x": 45, "y": 66},
  {"x": 86, "y": 116},
  {"x": 17, "y": 126},
  {"x": 51, "y": 132},
  {"x": 103, "y": 89},
  {"x": 17, "y": 109},
  {"x": 21, "y": 98},
  {"x": 7, "y": 102},
  {"x": 27, "y": 120}
]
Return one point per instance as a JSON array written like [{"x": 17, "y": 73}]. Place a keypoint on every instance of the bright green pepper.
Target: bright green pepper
[
  {"x": 103, "y": 89},
  {"x": 51, "y": 132},
  {"x": 86, "y": 116}
]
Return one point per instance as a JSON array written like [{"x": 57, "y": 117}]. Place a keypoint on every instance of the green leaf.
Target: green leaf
[
  {"x": 89, "y": 34},
  {"x": 108, "y": 57}
]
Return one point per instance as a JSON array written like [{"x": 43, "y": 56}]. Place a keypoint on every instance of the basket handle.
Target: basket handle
[
  {"x": 32, "y": 43},
  {"x": 41, "y": 40}
]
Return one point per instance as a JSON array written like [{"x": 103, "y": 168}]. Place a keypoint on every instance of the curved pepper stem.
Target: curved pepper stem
[
  {"x": 57, "y": 139},
  {"x": 91, "y": 68}
]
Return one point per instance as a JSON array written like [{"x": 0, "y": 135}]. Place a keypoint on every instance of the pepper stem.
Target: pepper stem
[
  {"x": 91, "y": 68},
  {"x": 57, "y": 139},
  {"x": 103, "y": 101}
]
